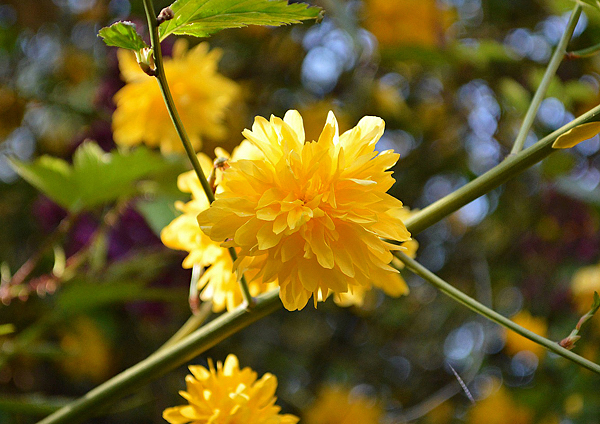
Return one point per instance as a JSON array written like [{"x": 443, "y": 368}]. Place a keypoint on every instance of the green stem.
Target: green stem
[
  {"x": 193, "y": 323},
  {"x": 249, "y": 300},
  {"x": 587, "y": 52},
  {"x": 189, "y": 149},
  {"x": 165, "y": 360},
  {"x": 496, "y": 176},
  {"x": 492, "y": 315},
  {"x": 555, "y": 60},
  {"x": 170, "y": 103}
]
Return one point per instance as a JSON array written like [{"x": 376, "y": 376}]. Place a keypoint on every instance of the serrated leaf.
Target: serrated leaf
[
  {"x": 122, "y": 34},
  {"x": 94, "y": 178},
  {"x": 201, "y": 18},
  {"x": 576, "y": 135}
]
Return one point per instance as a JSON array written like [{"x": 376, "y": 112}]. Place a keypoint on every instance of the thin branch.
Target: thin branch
[
  {"x": 165, "y": 360},
  {"x": 496, "y": 176},
  {"x": 189, "y": 149},
  {"x": 553, "y": 65},
  {"x": 492, "y": 315}
]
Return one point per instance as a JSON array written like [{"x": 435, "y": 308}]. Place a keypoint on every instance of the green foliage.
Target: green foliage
[
  {"x": 123, "y": 34},
  {"x": 201, "y": 18},
  {"x": 121, "y": 282},
  {"x": 94, "y": 178},
  {"x": 82, "y": 297},
  {"x": 515, "y": 94}
]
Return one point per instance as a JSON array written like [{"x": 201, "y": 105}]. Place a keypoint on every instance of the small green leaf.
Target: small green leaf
[
  {"x": 123, "y": 34},
  {"x": 49, "y": 175},
  {"x": 201, "y": 18},
  {"x": 94, "y": 178},
  {"x": 576, "y": 135}
]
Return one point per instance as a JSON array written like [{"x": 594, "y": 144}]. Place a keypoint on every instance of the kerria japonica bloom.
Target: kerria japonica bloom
[
  {"x": 217, "y": 283},
  {"x": 201, "y": 94},
  {"x": 228, "y": 395},
  {"x": 311, "y": 215}
]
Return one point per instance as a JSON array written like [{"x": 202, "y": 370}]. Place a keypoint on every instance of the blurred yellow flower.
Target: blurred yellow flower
[
  {"x": 88, "y": 353},
  {"x": 218, "y": 282},
  {"x": 585, "y": 281},
  {"x": 408, "y": 22},
  {"x": 516, "y": 343},
  {"x": 228, "y": 395},
  {"x": 201, "y": 96},
  {"x": 336, "y": 404},
  {"x": 441, "y": 414},
  {"x": 311, "y": 215},
  {"x": 12, "y": 108},
  {"x": 499, "y": 408}
]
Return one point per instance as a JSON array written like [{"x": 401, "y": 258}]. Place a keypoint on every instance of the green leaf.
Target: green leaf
[
  {"x": 576, "y": 135},
  {"x": 158, "y": 212},
  {"x": 95, "y": 178},
  {"x": 122, "y": 34},
  {"x": 201, "y": 18}
]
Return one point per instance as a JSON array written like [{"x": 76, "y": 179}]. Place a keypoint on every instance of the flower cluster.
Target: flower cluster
[
  {"x": 227, "y": 395},
  {"x": 141, "y": 115},
  {"x": 312, "y": 216},
  {"x": 218, "y": 283}
]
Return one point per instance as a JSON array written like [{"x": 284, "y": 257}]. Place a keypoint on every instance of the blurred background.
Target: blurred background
[{"x": 451, "y": 78}]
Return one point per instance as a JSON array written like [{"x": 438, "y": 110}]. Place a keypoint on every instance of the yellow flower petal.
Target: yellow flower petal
[{"x": 576, "y": 135}]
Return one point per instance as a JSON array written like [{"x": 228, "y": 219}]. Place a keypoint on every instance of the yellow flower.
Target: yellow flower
[
  {"x": 311, "y": 215},
  {"x": 12, "y": 109},
  {"x": 89, "y": 355},
  {"x": 516, "y": 343},
  {"x": 408, "y": 22},
  {"x": 338, "y": 405},
  {"x": 585, "y": 281},
  {"x": 228, "y": 395},
  {"x": 499, "y": 408},
  {"x": 218, "y": 283},
  {"x": 201, "y": 96},
  {"x": 393, "y": 288}
]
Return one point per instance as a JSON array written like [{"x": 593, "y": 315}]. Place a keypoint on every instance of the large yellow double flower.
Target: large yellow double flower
[{"x": 311, "y": 215}]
